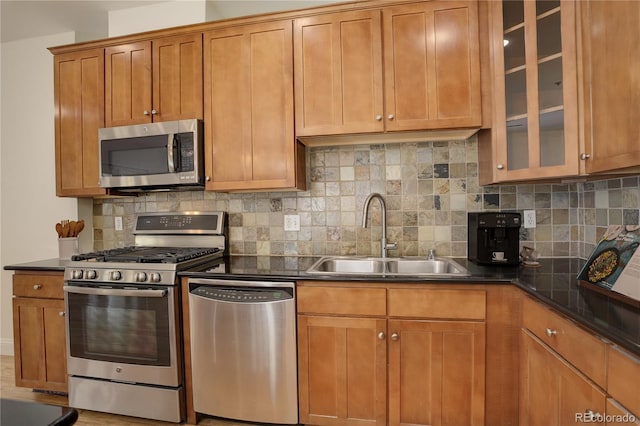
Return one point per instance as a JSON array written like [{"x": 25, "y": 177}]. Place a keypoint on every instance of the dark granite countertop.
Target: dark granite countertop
[{"x": 553, "y": 282}]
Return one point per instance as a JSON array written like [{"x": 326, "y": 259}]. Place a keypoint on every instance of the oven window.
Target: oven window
[{"x": 124, "y": 329}]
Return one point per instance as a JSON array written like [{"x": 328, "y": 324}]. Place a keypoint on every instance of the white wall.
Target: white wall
[{"x": 30, "y": 208}]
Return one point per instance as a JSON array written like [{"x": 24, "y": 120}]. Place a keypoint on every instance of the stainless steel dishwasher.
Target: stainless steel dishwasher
[{"x": 243, "y": 350}]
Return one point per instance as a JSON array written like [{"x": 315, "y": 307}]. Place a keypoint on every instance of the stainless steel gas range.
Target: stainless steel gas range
[{"x": 124, "y": 340}]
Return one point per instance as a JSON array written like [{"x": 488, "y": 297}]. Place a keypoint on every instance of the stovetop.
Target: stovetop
[{"x": 149, "y": 254}]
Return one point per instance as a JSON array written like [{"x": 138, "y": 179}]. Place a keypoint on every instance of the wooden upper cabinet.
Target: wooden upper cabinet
[
  {"x": 79, "y": 113},
  {"x": 177, "y": 78},
  {"x": 611, "y": 43},
  {"x": 248, "y": 86},
  {"x": 159, "y": 80},
  {"x": 431, "y": 65},
  {"x": 128, "y": 84},
  {"x": 338, "y": 73}
]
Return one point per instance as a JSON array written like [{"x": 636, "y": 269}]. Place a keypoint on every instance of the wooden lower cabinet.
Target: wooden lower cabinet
[
  {"x": 617, "y": 414},
  {"x": 39, "y": 332},
  {"x": 342, "y": 364},
  {"x": 436, "y": 372},
  {"x": 372, "y": 365},
  {"x": 552, "y": 392}
]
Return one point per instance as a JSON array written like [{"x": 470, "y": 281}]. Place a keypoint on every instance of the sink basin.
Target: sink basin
[{"x": 376, "y": 266}]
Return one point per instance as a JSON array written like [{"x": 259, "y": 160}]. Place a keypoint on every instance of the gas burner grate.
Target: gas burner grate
[{"x": 148, "y": 254}]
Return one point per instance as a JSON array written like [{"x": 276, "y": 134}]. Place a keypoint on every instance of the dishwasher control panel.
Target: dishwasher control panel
[{"x": 243, "y": 295}]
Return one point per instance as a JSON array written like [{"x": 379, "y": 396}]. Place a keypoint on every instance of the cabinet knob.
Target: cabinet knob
[
  {"x": 61, "y": 314},
  {"x": 550, "y": 332},
  {"x": 145, "y": 112},
  {"x": 390, "y": 117},
  {"x": 37, "y": 286},
  {"x": 154, "y": 112},
  {"x": 381, "y": 335},
  {"x": 207, "y": 178},
  {"x": 378, "y": 118},
  {"x": 593, "y": 416},
  {"x": 500, "y": 166},
  {"x": 584, "y": 156},
  {"x": 395, "y": 336}
]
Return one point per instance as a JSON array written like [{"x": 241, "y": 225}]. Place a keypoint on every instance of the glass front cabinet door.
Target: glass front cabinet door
[{"x": 535, "y": 122}]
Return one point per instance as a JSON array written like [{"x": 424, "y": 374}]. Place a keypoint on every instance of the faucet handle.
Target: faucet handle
[
  {"x": 432, "y": 254},
  {"x": 391, "y": 246}
]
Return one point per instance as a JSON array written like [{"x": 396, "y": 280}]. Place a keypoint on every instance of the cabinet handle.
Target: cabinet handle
[
  {"x": 145, "y": 112},
  {"x": 390, "y": 117},
  {"x": 500, "y": 166},
  {"x": 207, "y": 178},
  {"x": 154, "y": 112},
  {"x": 378, "y": 118},
  {"x": 584, "y": 156},
  {"x": 395, "y": 336},
  {"x": 550, "y": 332},
  {"x": 37, "y": 286},
  {"x": 61, "y": 314},
  {"x": 381, "y": 335}
]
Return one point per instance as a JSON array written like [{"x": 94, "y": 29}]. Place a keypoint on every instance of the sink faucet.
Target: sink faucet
[{"x": 384, "y": 246}]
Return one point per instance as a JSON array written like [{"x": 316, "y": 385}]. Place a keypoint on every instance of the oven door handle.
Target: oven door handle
[{"x": 114, "y": 292}]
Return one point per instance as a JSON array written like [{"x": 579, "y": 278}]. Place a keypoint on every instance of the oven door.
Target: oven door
[{"x": 122, "y": 333}]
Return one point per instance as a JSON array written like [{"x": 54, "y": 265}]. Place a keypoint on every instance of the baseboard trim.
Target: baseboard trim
[{"x": 6, "y": 347}]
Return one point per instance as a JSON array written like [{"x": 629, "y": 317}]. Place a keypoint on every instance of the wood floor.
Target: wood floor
[{"x": 86, "y": 417}]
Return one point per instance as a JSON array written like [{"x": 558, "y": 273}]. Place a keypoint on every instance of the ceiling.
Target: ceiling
[{"x": 22, "y": 19}]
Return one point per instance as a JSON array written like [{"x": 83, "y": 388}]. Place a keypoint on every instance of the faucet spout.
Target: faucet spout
[{"x": 383, "y": 207}]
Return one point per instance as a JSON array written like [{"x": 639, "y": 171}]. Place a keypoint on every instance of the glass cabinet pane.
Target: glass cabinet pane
[
  {"x": 516, "y": 93},
  {"x": 550, "y": 84},
  {"x": 543, "y": 6},
  {"x": 512, "y": 13},
  {"x": 514, "y": 49},
  {"x": 552, "y": 139},
  {"x": 517, "y": 144},
  {"x": 549, "y": 39}
]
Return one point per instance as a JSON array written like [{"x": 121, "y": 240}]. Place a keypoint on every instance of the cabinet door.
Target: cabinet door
[
  {"x": 79, "y": 113},
  {"x": 177, "y": 78},
  {"x": 40, "y": 344},
  {"x": 338, "y": 73},
  {"x": 432, "y": 65},
  {"x": 536, "y": 122},
  {"x": 249, "y": 140},
  {"x": 342, "y": 370},
  {"x": 128, "y": 84},
  {"x": 551, "y": 391},
  {"x": 611, "y": 43},
  {"x": 436, "y": 372}
]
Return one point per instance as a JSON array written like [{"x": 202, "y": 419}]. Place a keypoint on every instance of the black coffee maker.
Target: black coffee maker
[{"x": 494, "y": 238}]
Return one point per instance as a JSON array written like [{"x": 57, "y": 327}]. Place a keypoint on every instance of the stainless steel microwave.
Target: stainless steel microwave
[{"x": 152, "y": 156}]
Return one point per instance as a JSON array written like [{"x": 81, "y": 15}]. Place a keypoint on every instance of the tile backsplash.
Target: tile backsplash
[{"x": 428, "y": 187}]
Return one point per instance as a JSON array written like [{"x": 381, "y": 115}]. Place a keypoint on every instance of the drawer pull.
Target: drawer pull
[
  {"x": 381, "y": 335},
  {"x": 61, "y": 314},
  {"x": 395, "y": 336},
  {"x": 593, "y": 416},
  {"x": 551, "y": 332},
  {"x": 37, "y": 286}
]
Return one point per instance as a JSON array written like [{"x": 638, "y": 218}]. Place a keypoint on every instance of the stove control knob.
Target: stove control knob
[
  {"x": 115, "y": 275},
  {"x": 141, "y": 277},
  {"x": 91, "y": 275},
  {"x": 76, "y": 274},
  {"x": 155, "y": 277}
]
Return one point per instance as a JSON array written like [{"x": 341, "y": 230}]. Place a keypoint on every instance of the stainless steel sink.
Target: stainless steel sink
[{"x": 379, "y": 266}]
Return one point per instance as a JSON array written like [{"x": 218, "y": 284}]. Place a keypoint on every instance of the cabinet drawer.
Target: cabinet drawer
[
  {"x": 38, "y": 285},
  {"x": 438, "y": 304},
  {"x": 623, "y": 374},
  {"x": 581, "y": 348},
  {"x": 342, "y": 301}
]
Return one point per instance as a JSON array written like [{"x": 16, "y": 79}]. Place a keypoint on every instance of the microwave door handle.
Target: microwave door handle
[
  {"x": 114, "y": 292},
  {"x": 170, "y": 159}
]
